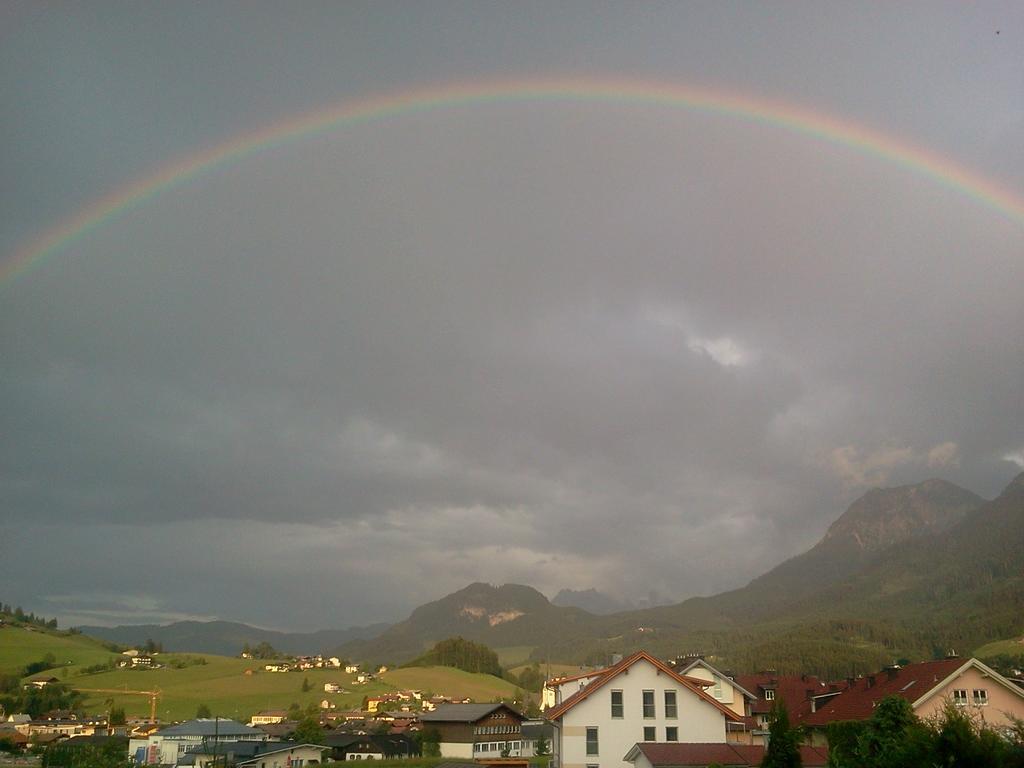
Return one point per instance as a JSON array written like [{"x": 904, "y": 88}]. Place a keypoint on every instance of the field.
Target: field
[
  {"x": 550, "y": 670},
  {"x": 20, "y": 647},
  {"x": 450, "y": 682},
  {"x": 514, "y": 655},
  {"x": 1014, "y": 647},
  {"x": 219, "y": 682}
]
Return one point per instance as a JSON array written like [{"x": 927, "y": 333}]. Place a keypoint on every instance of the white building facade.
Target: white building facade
[{"x": 641, "y": 699}]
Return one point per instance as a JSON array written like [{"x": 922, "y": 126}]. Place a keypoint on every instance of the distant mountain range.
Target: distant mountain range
[
  {"x": 592, "y": 601},
  {"x": 227, "y": 638},
  {"x": 904, "y": 572}
]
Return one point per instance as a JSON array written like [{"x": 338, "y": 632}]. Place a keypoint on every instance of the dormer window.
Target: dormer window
[{"x": 769, "y": 695}]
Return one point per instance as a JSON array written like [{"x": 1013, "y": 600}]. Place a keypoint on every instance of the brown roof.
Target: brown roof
[
  {"x": 910, "y": 682},
  {"x": 683, "y": 755},
  {"x": 794, "y": 691},
  {"x": 614, "y": 671}
]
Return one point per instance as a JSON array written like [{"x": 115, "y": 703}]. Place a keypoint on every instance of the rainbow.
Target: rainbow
[{"x": 796, "y": 119}]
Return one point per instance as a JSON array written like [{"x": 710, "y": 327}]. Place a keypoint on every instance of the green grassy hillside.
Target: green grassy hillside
[
  {"x": 1012, "y": 647},
  {"x": 20, "y": 646},
  {"x": 451, "y": 682},
  {"x": 513, "y": 655},
  {"x": 221, "y": 684},
  {"x": 187, "y": 680}
]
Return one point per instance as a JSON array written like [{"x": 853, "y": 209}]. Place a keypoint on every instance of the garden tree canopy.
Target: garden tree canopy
[
  {"x": 308, "y": 731},
  {"x": 783, "y": 740},
  {"x": 112, "y": 754},
  {"x": 896, "y": 738},
  {"x": 543, "y": 746},
  {"x": 37, "y": 701},
  {"x": 430, "y": 742}
]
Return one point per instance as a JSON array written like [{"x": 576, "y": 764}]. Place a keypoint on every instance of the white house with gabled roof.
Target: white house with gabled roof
[{"x": 640, "y": 699}]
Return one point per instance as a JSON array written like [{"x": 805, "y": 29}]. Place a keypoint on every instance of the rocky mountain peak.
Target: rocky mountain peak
[{"x": 886, "y": 516}]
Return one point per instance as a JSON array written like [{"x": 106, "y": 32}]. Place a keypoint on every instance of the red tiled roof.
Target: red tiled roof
[
  {"x": 730, "y": 755},
  {"x": 794, "y": 691},
  {"x": 613, "y": 672},
  {"x": 910, "y": 682}
]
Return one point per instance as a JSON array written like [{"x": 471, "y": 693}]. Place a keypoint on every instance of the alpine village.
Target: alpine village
[{"x": 895, "y": 641}]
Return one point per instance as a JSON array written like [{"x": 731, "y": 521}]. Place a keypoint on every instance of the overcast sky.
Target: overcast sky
[{"x": 564, "y": 343}]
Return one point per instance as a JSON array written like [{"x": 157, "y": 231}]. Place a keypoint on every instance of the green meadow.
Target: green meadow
[
  {"x": 230, "y": 687},
  {"x": 451, "y": 682},
  {"x": 1012, "y": 647},
  {"x": 20, "y": 646}
]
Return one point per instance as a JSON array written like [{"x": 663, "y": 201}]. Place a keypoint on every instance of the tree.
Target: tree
[
  {"x": 265, "y": 651},
  {"x": 308, "y": 731},
  {"x": 462, "y": 654},
  {"x": 305, "y": 685},
  {"x": 961, "y": 740},
  {"x": 892, "y": 738},
  {"x": 430, "y": 739},
  {"x": 783, "y": 749},
  {"x": 67, "y": 754},
  {"x": 543, "y": 746},
  {"x": 203, "y": 711}
]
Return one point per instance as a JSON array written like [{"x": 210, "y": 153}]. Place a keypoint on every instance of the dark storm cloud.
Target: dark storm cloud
[{"x": 563, "y": 344}]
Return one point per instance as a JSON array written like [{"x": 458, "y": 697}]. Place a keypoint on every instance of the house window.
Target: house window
[
  {"x": 769, "y": 695},
  {"x": 592, "y": 741},
  {"x": 671, "y": 733},
  {"x": 650, "y": 733},
  {"x": 648, "y": 703},
  {"x": 980, "y": 697},
  {"x": 960, "y": 697},
  {"x": 670, "y": 704},
  {"x": 617, "y": 704},
  {"x": 718, "y": 687}
]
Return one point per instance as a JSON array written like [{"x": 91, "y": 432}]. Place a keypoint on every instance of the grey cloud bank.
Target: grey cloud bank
[{"x": 563, "y": 344}]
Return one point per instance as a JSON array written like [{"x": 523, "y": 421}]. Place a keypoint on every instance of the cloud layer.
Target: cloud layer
[{"x": 572, "y": 345}]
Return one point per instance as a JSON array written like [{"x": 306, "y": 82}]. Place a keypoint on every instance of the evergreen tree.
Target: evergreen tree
[{"x": 784, "y": 739}]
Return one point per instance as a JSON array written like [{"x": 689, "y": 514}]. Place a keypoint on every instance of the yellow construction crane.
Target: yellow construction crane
[{"x": 152, "y": 696}]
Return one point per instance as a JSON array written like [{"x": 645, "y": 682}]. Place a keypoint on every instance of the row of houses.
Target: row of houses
[
  {"x": 646, "y": 713},
  {"x": 640, "y": 711},
  {"x": 207, "y": 743},
  {"x": 301, "y": 663},
  {"x": 650, "y": 714}
]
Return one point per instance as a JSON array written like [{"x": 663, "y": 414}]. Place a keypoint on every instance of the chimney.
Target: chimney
[
  {"x": 871, "y": 681},
  {"x": 892, "y": 671}
]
